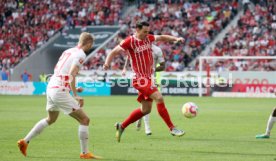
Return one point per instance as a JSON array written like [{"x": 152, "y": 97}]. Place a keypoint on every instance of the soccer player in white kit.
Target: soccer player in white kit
[
  {"x": 59, "y": 99},
  {"x": 158, "y": 58}
]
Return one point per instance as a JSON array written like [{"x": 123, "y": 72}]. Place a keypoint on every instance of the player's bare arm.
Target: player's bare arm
[
  {"x": 125, "y": 67},
  {"x": 111, "y": 55},
  {"x": 73, "y": 73},
  {"x": 161, "y": 67},
  {"x": 168, "y": 38}
]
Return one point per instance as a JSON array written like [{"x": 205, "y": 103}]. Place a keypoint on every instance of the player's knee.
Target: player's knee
[
  {"x": 50, "y": 121},
  {"x": 146, "y": 111},
  {"x": 159, "y": 99},
  {"x": 85, "y": 121},
  {"x": 274, "y": 112}
]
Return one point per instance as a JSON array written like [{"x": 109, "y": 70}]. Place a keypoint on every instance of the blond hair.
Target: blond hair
[{"x": 85, "y": 38}]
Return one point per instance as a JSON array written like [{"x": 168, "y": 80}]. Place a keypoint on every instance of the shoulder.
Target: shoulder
[
  {"x": 70, "y": 50},
  {"x": 126, "y": 40},
  {"x": 151, "y": 37},
  {"x": 81, "y": 56},
  {"x": 82, "y": 53},
  {"x": 78, "y": 54},
  {"x": 126, "y": 43}
]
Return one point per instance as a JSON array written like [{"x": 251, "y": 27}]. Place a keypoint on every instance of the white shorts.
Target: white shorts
[{"x": 61, "y": 100}]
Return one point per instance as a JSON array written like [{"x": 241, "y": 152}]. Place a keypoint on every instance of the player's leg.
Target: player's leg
[
  {"x": 134, "y": 116},
  {"x": 146, "y": 121},
  {"x": 147, "y": 126},
  {"x": 163, "y": 112},
  {"x": 137, "y": 113},
  {"x": 146, "y": 109},
  {"x": 161, "y": 108},
  {"x": 148, "y": 106},
  {"x": 270, "y": 123},
  {"x": 53, "y": 113},
  {"x": 83, "y": 133},
  {"x": 83, "y": 130},
  {"x": 138, "y": 124},
  {"x": 36, "y": 130},
  {"x": 71, "y": 107}
]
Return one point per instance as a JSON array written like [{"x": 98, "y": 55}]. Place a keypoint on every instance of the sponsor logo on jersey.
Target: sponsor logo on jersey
[{"x": 142, "y": 48}]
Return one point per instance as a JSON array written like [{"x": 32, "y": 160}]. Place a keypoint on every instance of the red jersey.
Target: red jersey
[{"x": 140, "y": 54}]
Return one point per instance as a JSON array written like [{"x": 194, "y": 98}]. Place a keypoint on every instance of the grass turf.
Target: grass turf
[{"x": 225, "y": 129}]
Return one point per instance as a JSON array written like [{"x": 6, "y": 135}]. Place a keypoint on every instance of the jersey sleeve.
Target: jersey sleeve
[
  {"x": 78, "y": 61},
  {"x": 151, "y": 38},
  {"x": 125, "y": 44},
  {"x": 160, "y": 57}
]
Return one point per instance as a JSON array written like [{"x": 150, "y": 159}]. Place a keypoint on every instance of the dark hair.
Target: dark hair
[{"x": 140, "y": 24}]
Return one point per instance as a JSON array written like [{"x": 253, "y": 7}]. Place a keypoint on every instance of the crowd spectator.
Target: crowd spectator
[
  {"x": 5, "y": 75},
  {"x": 197, "y": 22},
  {"x": 255, "y": 35},
  {"x": 43, "y": 77},
  {"x": 26, "y": 77},
  {"x": 26, "y": 25}
]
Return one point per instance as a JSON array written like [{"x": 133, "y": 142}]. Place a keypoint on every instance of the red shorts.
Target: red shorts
[{"x": 146, "y": 87}]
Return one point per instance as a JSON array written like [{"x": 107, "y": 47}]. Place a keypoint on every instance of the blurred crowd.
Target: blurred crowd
[
  {"x": 197, "y": 22},
  {"x": 255, "y": 35},
  {"x": 27, "y": 24}
]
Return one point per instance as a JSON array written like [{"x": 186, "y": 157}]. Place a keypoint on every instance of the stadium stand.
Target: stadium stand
[
  {"x": 26, "y": 25},
  {"x": 255, "y": 35},
  {"x": 197, "y": 22}
]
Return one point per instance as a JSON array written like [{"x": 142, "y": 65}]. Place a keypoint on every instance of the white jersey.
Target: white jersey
[
  {"x": 72, "y": 56},
  {"x": 157, "y": 55}
]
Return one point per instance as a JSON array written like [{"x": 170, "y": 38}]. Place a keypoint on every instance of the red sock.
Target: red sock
[
  {"x": 134, "y": 116},
  {"x": 164, "y": 114}
]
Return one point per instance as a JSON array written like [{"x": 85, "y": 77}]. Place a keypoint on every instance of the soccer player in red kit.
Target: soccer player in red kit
[{"x": 138, "y": 47}]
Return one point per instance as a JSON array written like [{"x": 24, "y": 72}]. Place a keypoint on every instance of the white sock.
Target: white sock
[
  {"x": 37, "y": 129},
  {"x": 83, "y": 136},
  {"x": 270, "y": 123},
  {"x": 147, "y": 126}
]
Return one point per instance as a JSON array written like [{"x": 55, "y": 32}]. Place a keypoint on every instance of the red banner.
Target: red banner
[{"x": 254, "y": 88}]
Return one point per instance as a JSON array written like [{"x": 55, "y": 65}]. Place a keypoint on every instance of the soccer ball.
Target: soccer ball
[{"x": 189, "y": 110}]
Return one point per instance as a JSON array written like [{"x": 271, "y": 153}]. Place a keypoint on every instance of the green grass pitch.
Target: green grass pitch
[{"x": 224, "y": 130}]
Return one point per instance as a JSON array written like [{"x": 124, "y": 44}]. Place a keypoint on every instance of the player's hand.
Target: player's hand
[
  {"x": 80, "y": 100},
  {"x": 105, "y": 66},
  {"x": 124, "y": 72},
  {"x": 79, "y": 89},
  {"x": 180, "y": 39}
]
